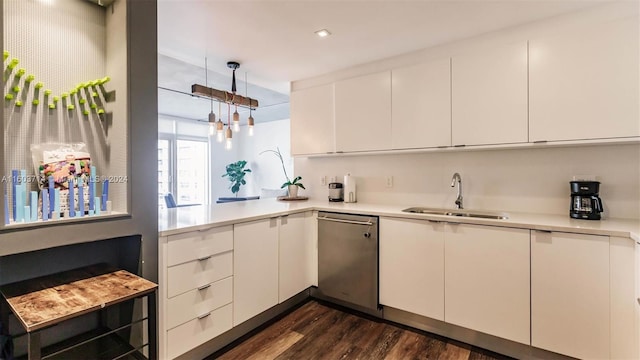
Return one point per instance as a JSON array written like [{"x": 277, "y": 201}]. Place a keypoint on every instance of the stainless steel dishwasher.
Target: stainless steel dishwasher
[{"x": 348, "y": 260}]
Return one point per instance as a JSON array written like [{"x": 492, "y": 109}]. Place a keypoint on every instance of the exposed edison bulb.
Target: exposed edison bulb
[
  {"x": 250, "y": 123},
  {"x": 212, "y": 123},
  {"x": 219, "y": 131},
  {"x": 228, "y": 135},
  {"x": 236, "y": 120}
]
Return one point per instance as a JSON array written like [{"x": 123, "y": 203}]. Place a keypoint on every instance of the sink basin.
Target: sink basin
[{"x": 457, "y": 212}]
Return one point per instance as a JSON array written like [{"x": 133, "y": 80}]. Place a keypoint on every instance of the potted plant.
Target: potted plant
[
  {"x": 236, "y": 173},
  {"x": 292, "y": 186}
]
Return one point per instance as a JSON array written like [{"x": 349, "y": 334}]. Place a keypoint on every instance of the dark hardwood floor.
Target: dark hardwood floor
[{"x": 318, "y": 331}]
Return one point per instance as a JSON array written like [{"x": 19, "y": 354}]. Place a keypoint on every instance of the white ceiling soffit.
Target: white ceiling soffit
[
  {"x": 275, "y": 42},
  {"x": 178, "y": 76}
]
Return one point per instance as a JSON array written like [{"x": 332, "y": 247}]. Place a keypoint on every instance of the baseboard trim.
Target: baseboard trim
[{"x": 472, "y": 337}]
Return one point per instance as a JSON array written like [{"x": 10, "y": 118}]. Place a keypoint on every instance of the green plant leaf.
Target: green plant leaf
[{"x": 302, "y": 186}]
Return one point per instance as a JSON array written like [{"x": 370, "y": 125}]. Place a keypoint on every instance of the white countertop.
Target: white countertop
[{"x": 177, "y": 220}]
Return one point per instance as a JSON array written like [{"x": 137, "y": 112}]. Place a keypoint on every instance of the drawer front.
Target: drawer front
[
  {"x": 190, "y": 305},
  {"x": 198, "y": 331},
  {"x": 194, "y": 245},
  {"x": 197, "y": 273}
]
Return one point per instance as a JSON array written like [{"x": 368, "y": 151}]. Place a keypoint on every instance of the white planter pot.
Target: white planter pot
[{"x": 293, "y": 191}]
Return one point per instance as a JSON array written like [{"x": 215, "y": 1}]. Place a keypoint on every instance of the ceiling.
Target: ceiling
[{"x": 275, "y": 42}]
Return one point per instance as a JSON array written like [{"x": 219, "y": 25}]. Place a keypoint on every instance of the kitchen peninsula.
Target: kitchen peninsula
[{"x": 227, "y": 268}]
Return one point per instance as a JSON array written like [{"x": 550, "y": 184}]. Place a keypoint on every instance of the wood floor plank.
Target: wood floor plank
[
  {"x": 382, "y": 344},
  {"x": 316, "y": 331},
  {"x": 454, "y": 352},
  {"x": 326, "y": 335},
  {"x": 274, "y": 349}
]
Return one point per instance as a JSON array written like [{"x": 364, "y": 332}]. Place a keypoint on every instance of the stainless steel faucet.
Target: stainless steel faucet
[{"x": 456, "y": 177}]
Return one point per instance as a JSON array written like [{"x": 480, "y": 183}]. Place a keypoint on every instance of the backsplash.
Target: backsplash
[{"x": 519, "y": 180}]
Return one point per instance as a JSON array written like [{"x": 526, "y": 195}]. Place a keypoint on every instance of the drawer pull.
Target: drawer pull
[
  {"x": 204, "y": 258},
  {"x": 203, "y": 287},
  {"x": 435, "y": 221},
  {"x": 204, "y": 315}
]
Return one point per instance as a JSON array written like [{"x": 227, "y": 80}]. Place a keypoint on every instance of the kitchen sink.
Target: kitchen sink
[{"x": 457, "y": 212}]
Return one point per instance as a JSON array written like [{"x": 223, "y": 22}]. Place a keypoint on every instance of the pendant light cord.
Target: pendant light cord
[{"x": 206, "y": 79}]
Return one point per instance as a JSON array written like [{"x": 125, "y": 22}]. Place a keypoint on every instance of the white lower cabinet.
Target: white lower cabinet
[
  {"x": 196, "y": 289},
  {"x": 194, "y": 274},
  {"x": 570, "y": 294},
  {"x": 255, "y": 268},
  {"x": 412, "y": 266},
  {"x": 198, "y": 331},
  {"x": 468, "y": 275},
  {"x": 487, "y": 280},
  {"x": 296, "y": 250},
  {"x": 199, "y": 302}
]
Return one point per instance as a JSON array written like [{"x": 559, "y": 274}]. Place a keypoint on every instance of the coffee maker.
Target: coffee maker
[{"x": 585, "y": 202}]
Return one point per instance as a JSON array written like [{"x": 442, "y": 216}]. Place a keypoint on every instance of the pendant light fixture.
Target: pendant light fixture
[
  {"x": 236, "y": 117},
  {"x": 228, "y": 134},
  {"x": 236, "y": 120},
  {"x": 230, "y": 98},
  {"x": 219, "y": 125},
  {"x": 212, "y": 116},
  {"x": 250, "y": 118}
]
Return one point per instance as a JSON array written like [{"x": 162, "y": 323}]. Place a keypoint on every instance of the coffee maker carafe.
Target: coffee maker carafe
[{"x": 585, "y": 202}]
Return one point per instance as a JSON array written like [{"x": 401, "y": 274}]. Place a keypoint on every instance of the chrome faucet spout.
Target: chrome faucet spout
[{"x": 457, "y": 179}]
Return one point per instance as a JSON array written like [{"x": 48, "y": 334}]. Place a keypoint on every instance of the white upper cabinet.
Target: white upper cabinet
[
  {"x": 489, "y": 96},
  {"x": 584, "y": 85},
  {"x": 363, "y": 113},
  {"x": 421, "y": 105},
  {"x": 312, "y": 121}
]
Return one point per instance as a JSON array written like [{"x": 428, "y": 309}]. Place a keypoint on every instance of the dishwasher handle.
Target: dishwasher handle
[{"x": 369, "y": 223}]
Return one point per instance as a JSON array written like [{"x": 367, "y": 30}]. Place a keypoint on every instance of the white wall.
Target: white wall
[
  {"x": 523, "y": 180},
  {"x": 266, "y": 168}
]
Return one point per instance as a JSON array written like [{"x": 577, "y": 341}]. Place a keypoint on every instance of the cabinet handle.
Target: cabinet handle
[
  {"x": 204, "y": 258},
  {"x": 369, "y": 223},
  {"x": 540, "y": 141},
  {"x": 200, "y": 317},
  {"x": 544, "y": 231},
  {"x": 459, "y": 145},
  {"x": 203, "y": 287},
  {"x": 638, "y": 301},
  {"x": 435, "y": 221}
]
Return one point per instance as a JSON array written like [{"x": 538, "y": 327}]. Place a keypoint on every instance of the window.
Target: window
[{"x": 183, "y": 158}]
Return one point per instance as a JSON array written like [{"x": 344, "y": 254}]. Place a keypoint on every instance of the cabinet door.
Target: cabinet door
[
  {"x": 489, "y": 96},
  {"x": 363, "y": 113},
  {"x": 412, "y": 266},
  {"x": 295, "y": 255},
  {"x": 421, "y": 105},
  {"x": 312, "y": 121},
  {"x": 487, "y": 282},
  {"x": 570, "y": 294},
  {"x": 255, "y": 268},
  {"x": 585, "y": 85}
]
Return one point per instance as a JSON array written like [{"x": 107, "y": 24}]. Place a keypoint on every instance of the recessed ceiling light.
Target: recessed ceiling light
[{"x": 323, "y": 33}]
